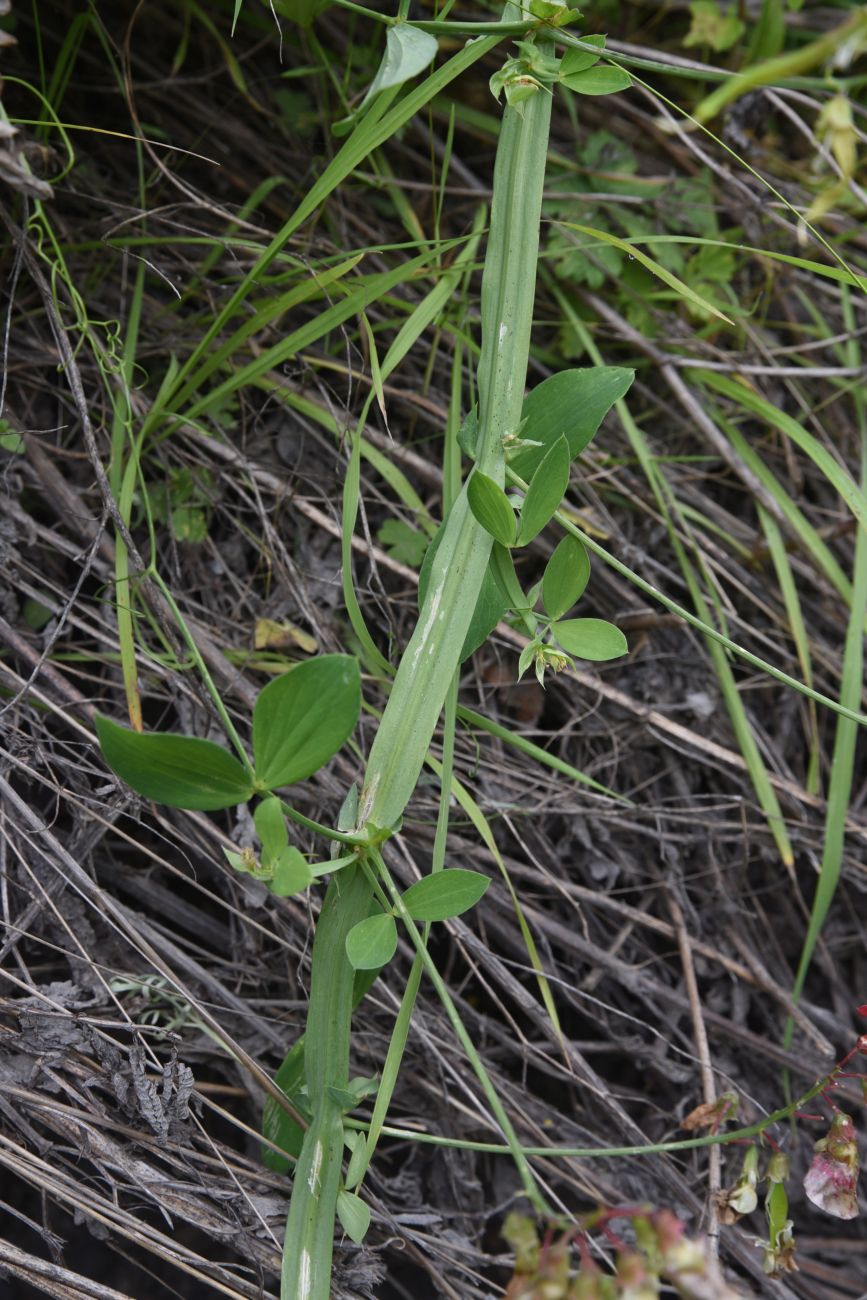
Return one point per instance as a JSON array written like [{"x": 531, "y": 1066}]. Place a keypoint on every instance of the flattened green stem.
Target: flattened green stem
[
  {"x": 309, "y": 1242},
  {"x": 419, "y": 690},
  {"x": 508, "y": 290}
]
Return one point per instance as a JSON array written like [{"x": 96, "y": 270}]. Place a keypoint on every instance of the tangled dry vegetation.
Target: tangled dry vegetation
[{"x": 668, "y": 921}]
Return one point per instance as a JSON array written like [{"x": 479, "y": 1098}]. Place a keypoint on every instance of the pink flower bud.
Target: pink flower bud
[{"x": 832, "y": 1179}]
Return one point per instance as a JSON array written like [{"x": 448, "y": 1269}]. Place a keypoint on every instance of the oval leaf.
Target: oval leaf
[
  {"x": 178, "y": 771},
  {"x": 301, "y": 719},
  {"x": 547, "y": 488},
  {"x": 590, "y": 638},
  {"x": 354, "y": 1216},
  {"x": 492, "y": 508},
  {"x": 566, "y": 575},
  {"x": 445, "y": 894},
  {"x": 601, "y": 80},
  {"x": 573, "y": 404},
  {"x": 575, "y": 60},
  {"x": 292, "y": 872},
  {"x": 372, "y": 943}
]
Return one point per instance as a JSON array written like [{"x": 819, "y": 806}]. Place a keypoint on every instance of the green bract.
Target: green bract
[
  {"x": 445, "y": 894},
  {"x": 572, "y": 404},
  {"x": 301, "y": 719},
  {"x": 492, "y": 508},
  {"x": 590, "y": 638},
  {"x": 178, "y": 771},
  {"x": 566, "y": 575},
  {"x": 371, "y": 943},
  {"x": 408, "y": 51},
  {"x": 604, "y": 79},
  {"x": 547, "y": 488}
]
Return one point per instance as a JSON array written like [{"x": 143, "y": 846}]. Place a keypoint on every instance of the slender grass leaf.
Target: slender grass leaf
[
  {"x": 576, "y": 60},
  {"x": 371, "y": 943},
  {"x": 604, "y": 79},
  {"x": 492, "y": 508},
  {"x": 572, "y": 404},
  {"x": 445, "y": 894},
  {"x": 539, "y": 755},
  {"x": 749, "y": 399},
  {"x": 546, "y": 491},
  {"x": 354, "y": 1216},
  {"x": 566, "y": 575},
  {"x": 590, "y": 638},
  {"x": 301, "y": 719},
  {"x": 652, "y": 265},
  {"x": 178, "y": 771},
  {"x": 291, "y": 872}
]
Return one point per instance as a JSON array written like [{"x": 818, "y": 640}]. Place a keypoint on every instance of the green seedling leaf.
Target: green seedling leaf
[
  {"x": 572, "y": 404},
  {"x": 13, "y": 443},
  {"x": 372, "y": 943},
  {"x": 579, "y": 60},
  {"x": 178, "y": 771},
  {"x": 565, "y": 577},
  {"x": 492, "y": 508},
  {"x": 354, "y": 1216},
  {"x": 490, "y": 606},
  {"x": 710, "y": 26},
  {"x": 291, "y": 873},
  {"x": 590, "y": 638},
  {"x": 445, "y": 894},
  {"x": 547, "y": 488},
  {"x": 403, "y": 542},
  {"x": 408, "y": 51},
  {"x": 604, "y": 79},
  {"x": 301, "y": 719},
  {"x": 271, "y": 828}
]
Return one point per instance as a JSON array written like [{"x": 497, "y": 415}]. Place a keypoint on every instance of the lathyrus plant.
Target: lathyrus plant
[{"x": 468, "y": 582}]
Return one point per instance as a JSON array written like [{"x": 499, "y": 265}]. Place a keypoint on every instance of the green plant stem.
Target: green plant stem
[
  {"x": 202, "y": 667},
  {"x": 589, "y": 1153}
]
